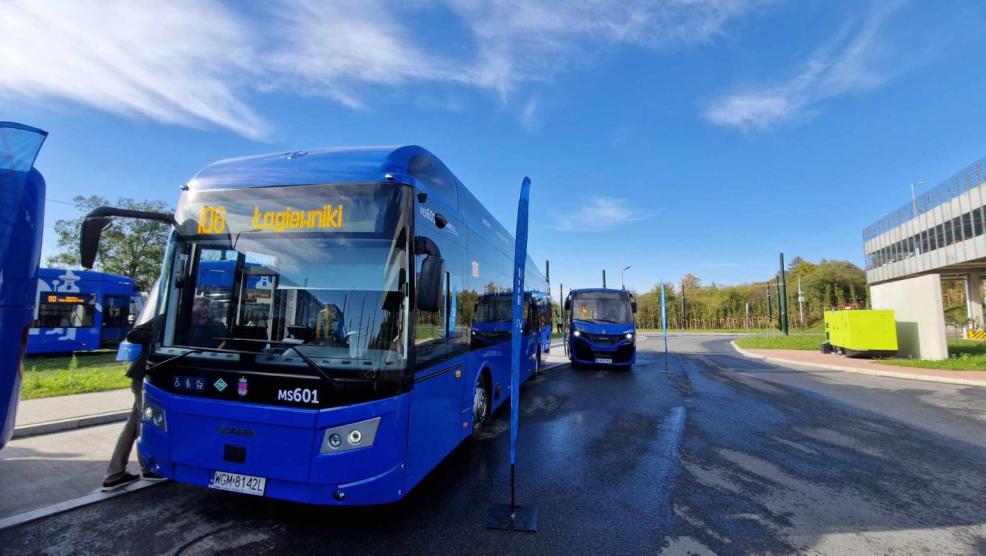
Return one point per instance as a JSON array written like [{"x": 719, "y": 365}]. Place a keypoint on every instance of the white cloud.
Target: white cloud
[
  {"x": 600, "y": 213},
  {"x": 520, "y": 41},
  {"x": 333, "y": 47},
  {"x": 529, "y": 115},
  {"x": 854, "y": 60},
  {"x": 178, "y": 62},
  {"x": 196, "y": 63}
]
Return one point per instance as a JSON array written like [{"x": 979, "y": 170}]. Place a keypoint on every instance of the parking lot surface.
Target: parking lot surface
[{"x": 721, "y": 454}]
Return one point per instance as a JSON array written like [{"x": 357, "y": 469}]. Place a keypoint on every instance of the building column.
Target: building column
[
  {"x": 919, "y": 313},
  {"x": 974, "y": 300}
]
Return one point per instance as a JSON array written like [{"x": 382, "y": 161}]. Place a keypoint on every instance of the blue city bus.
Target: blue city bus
[
  {"x": 493, "y": 320},
  {"x": 602, "y": 330},
  {"x": 22, "y": 194},
  {"x": 315, "y": 318},
  {"x": 82, "y": 310}
]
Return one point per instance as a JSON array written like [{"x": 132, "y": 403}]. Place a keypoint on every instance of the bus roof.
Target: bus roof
[
  {"x": 317, "y": 166},
  {"x": 597, "y": 290}
]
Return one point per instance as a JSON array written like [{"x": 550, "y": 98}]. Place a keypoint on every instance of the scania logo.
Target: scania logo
[{"x": 226, "y": 429}]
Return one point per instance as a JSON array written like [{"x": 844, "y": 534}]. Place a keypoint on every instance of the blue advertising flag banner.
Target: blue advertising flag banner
[
  {"x": 520, "y": 259},
  {"x": 664, "y": 326},
  {"x": 512, "y": 517}
]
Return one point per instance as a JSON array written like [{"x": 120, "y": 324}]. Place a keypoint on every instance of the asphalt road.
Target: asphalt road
[{"x": 720, "y": 455}]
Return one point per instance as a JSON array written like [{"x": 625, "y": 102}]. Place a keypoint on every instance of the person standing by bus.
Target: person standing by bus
[
  {"x": 558, "y": 323},
  {"x": 117, "y": 475}
]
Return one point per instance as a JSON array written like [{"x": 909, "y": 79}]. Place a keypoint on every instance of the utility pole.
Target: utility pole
[
  {"x": 801, "y": 304},
  {"x": 770, "y": 312},
  {"x": 684, "y": 322},
  {"x": 604, "y": 278},
  {"x": 782, "y": 306}
]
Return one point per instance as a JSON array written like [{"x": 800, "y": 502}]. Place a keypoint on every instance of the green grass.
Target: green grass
[
  {"x": 963, "y": 355},
  {"x": 72, "y": 374},
  {"x": 799, "y": 341}
]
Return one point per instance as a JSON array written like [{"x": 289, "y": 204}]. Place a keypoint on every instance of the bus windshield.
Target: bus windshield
[
  {"x": 495, "y": 308},
  {"x": 324, "y": 286},
  {"x": 608, "y": 307}
]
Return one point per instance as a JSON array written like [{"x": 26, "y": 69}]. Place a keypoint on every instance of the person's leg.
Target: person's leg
[{"x": 117, "y": 468}]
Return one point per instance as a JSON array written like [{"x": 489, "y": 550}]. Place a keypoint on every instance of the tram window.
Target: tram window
[
  {"x": 116, "y": 311},
  {"x": 65, "y": 315}
]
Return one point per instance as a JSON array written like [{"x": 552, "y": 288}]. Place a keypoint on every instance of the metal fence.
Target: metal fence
[{"x": 969, "y": 177}]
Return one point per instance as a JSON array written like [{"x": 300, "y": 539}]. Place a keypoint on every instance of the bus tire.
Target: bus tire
[{"x": 481, "y": 402}]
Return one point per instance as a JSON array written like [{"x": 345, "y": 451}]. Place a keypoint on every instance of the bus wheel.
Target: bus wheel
[{"x": 480, "y": 403}]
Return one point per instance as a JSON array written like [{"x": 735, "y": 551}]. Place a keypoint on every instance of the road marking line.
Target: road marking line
[{"x": 93, "y": 497}]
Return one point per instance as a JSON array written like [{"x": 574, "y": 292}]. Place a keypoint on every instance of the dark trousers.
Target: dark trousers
[{"x": 121, "y": 454}]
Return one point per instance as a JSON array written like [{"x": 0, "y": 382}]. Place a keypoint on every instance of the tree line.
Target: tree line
[{"x": 826, "y": 285}]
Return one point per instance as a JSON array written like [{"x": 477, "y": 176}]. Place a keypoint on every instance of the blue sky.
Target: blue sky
[{"x": 699, "y": 136}]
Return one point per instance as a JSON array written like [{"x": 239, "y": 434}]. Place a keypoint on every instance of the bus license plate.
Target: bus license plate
[
  {"x": 234, "y": 482},
  {"x": 604, "y": 361}
]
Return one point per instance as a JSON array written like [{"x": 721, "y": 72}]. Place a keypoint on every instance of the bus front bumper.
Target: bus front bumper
[
  {"x": 587, "y": 353},
  {"x": 284, "y": 446}
]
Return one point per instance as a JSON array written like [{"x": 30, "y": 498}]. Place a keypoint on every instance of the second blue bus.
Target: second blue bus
[{"x": 602, "y": 329}]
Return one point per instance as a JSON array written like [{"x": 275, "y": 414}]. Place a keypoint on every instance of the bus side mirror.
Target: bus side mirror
[
  {"x": 92, "y": 229},
  {"x": 568, "y": 304},
  {"x": 633, "y": 307},
  {"x": 430, "y": 283}
]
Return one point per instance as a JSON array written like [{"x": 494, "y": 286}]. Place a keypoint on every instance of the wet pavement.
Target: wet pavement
[{"x": 722, "y": 454}]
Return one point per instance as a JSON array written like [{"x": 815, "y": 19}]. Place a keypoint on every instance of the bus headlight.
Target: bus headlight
[
  {"x": 153, "y": 415},
  {"x": 629, "y": 335},
  {"x": 350, "y": 437},
  {"x": 577, "y": 333}
]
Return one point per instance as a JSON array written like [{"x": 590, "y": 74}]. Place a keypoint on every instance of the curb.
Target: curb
[
  {"x": 71, "y": 423},
  {"x": 94, "y": 497},
  {"x": 870, "y": 372}
]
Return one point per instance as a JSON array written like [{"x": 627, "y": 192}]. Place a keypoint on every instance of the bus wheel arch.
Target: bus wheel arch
[{"x": 482, "y": 399}]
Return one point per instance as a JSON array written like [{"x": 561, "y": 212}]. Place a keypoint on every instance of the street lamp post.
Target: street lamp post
[
  {"x": 914, "y": 199},
  {"x": 622, "y": 283}
]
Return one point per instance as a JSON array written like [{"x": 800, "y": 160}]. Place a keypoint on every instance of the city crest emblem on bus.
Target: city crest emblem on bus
[{"x": 241, "y": 386}]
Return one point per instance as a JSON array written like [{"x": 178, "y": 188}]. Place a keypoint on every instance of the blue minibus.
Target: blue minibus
[
  {"x": 82, "y": 310},
  {"x": 22, "y": 194},
  {"x": 601, "y": 328},
  {"x": 314, "y": 322}
]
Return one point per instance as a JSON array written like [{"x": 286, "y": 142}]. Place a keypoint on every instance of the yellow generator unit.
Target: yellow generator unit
[{"x": 856, "y": 333}]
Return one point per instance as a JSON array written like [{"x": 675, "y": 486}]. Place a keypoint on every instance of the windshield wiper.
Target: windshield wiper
[{"x": 308, "y": 360}]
